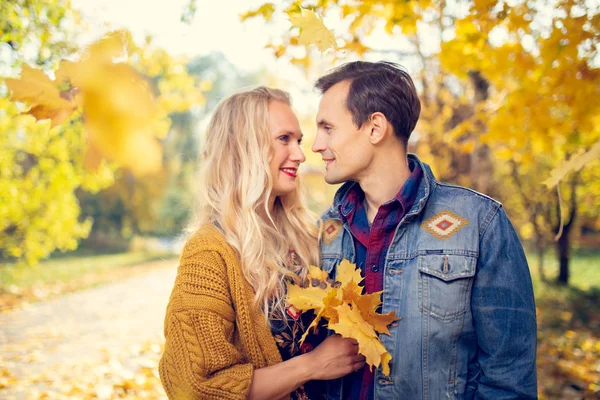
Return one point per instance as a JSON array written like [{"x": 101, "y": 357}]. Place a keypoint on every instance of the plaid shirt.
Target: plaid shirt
[{"x": 371, "y": 244}]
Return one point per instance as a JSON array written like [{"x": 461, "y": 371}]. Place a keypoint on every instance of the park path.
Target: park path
[{"x": 95, "y": 340}]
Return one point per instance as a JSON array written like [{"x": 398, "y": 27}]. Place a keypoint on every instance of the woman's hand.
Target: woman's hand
[{"x": 334, "y": 358}]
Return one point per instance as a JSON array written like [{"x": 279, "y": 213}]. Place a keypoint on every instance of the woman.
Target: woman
[{"x": 252, "y": 234}]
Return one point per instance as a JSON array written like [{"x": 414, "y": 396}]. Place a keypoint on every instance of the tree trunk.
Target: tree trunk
[
  {"x": 562, "y": 247},
  {"x": 563, "y": 244}
]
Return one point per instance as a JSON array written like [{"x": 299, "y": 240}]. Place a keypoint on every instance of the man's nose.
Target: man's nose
[{"x": 319, "y": 143}]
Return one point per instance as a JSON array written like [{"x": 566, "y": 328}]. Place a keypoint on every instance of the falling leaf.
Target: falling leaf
[
  {"x": 36, "y": 89},
  {"x": 119, "y": 111},
  {"x": 574, "y": 164},
  {"x": 312, "y": 30}
]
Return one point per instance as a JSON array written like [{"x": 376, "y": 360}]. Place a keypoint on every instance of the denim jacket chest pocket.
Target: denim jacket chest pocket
[{"x": 445, "y": 282}]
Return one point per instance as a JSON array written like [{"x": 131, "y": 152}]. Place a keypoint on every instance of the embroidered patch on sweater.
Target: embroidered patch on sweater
[
  {"x": 331, "y": 229},
  {"x": 444, "y": 225}
]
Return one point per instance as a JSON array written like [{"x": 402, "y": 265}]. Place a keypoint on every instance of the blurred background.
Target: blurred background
[{"x": 91, "y": 220}]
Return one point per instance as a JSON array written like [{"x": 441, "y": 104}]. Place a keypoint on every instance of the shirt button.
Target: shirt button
[{"x": 374, "y": 268}]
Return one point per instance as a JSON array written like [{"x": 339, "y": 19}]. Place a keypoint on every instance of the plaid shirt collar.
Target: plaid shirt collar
[{"x": 405, "y": 198}]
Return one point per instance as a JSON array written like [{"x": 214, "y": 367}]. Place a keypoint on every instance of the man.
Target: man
[{"x": 448, "y": 259}]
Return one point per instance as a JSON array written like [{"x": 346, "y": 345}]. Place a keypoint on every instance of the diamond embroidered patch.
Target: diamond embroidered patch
[
  {"x": 444, "y": 225},
  {"x": 331, "y": 229}
]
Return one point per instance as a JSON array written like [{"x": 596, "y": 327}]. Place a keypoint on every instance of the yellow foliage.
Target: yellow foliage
[{"x": 266, "y": 11}]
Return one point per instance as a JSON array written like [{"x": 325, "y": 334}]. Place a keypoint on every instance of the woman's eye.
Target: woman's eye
[{"x": 284, "y": 138}]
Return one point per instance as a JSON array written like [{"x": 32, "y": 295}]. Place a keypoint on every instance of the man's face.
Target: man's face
[{"x": 345, "y": 148}]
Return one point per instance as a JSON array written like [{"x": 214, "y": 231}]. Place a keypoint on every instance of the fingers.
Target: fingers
[
  {"x": 358, "y": 358},
  {"x": 358, "y": 366}
]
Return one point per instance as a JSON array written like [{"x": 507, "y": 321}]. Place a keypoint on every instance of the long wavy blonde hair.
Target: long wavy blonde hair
[{"x": 235, "y": 186}]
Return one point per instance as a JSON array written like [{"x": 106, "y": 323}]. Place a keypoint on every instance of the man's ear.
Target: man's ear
[{"x": 379, "y": 128}]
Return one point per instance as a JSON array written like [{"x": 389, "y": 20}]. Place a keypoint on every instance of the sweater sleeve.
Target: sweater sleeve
[{"x": 200, "y": 359}]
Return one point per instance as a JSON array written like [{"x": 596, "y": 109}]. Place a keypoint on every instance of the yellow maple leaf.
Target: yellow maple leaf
[
  {"x": 327, "y": 310},
  {"x": 37, "y": 89},
  {"x": 350, "y": 292},
  {"x": 351, "y": 324},
  {"x": 312, "y": 30},
  {"x": 309, "y": 298},
  {"x": 367, "y": 305},
  {"x": 347, "y": 273},
  {"x": 317, "y": 273}
]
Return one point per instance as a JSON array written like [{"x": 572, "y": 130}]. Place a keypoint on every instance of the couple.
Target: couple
[{"x": 448, "y": 259}]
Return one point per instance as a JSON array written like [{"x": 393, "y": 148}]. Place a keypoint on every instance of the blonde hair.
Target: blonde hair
[{"x": 235, "y": 186}]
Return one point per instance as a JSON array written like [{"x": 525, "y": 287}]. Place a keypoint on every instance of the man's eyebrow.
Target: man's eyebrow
[{"x": 322, "y": 122}]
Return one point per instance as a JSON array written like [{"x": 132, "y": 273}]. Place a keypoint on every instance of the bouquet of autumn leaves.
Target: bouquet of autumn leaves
[{"x": 348, "y": 312}]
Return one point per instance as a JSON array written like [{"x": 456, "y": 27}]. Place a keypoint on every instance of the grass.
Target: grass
[
  {"x": 71, "y": 272},
  {"x": 584, "y": 269},
  {"x": 67, "y": 268}
]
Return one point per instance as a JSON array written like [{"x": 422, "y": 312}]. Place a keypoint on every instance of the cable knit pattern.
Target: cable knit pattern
[{"x": 215, "y": 335}]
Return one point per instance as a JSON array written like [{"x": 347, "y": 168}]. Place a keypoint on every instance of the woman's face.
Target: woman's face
[{"x": 287, "y": 154}]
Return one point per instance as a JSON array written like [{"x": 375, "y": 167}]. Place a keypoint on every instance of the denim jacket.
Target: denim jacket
[{"x": 457, "y": 277}]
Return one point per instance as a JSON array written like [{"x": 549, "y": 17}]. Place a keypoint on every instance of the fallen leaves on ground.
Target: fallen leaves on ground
[
  {"x": 568, "y": 356},
  {"x": 133, "y": 375}
]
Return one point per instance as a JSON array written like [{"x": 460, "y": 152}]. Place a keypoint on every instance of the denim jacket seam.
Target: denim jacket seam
[
  {"x": 488, "y": 220},
  {"x": 476, "y": 193}
]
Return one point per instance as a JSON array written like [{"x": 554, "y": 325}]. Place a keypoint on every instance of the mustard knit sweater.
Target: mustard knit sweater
[{"x": 215, "y": 335}]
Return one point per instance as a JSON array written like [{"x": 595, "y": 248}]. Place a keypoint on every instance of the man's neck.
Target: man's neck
[{"x": 383, "y": 181}]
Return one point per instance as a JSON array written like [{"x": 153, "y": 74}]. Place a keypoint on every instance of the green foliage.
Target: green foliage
[{"x": 39, "y": 31}]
